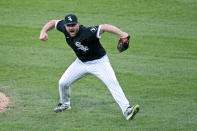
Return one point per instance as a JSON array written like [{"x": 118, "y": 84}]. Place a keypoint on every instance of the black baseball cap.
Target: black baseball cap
[{"x": 71, "y": 19}]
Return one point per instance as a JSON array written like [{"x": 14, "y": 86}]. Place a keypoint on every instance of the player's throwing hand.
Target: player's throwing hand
[{"x": 43, "y": 36}]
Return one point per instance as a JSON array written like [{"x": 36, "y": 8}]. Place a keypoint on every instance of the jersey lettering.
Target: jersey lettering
[
  {"x": 93, "y": 29},
  {"x": 81, "y": 47}
]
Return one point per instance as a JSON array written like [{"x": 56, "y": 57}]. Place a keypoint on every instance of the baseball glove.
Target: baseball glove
[{"x": 123, "y": 44}]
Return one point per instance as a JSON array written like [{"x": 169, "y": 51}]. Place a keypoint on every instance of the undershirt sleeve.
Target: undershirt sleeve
[
  {"x": 56, "y": 24},
  {"x": 98, "y": 32}
]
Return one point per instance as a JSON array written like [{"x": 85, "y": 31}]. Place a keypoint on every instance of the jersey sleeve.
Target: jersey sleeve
[
  {"x": 95, "y": 31},
  {"x": 59, "y": 25}
]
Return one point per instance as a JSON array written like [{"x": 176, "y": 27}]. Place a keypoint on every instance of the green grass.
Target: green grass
[{"x": 158, "y": 71}]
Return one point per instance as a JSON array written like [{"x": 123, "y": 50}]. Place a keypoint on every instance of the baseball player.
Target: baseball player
[{"x": 91, "y": 59}]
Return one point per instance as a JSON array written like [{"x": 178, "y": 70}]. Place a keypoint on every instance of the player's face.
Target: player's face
[{"x": 72, "y": 29}]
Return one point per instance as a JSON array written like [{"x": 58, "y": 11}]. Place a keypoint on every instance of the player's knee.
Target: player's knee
[{"x": 64, "y": 83}]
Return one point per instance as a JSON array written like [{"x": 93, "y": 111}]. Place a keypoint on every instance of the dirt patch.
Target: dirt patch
[{"x": 4, "y": 102}]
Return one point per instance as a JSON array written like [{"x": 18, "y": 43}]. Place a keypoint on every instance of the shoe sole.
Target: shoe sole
[
  {"x": 62, "y": 110},
  {"x": 134, "y": 112}
]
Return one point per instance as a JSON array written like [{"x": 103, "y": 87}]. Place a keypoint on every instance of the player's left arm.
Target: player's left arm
[
  {"x": 123, "y": 43},
  {"x": 112, "y": 29}
]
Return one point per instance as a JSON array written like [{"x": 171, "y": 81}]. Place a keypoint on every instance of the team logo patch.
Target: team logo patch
[{"x": 81, "y": 47}]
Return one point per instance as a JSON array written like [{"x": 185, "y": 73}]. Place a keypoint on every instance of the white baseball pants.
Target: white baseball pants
[{"x": 102, "y": 69}]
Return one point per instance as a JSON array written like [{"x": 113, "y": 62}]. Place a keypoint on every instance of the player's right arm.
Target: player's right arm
[{"x": 48, "y": 26}]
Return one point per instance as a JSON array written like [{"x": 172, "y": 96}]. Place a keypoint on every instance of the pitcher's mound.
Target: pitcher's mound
[{"x": 4, "y": 102}]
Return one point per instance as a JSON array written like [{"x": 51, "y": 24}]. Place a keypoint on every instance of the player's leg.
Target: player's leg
[
  {"x": 103, "y": 70},
  {"x": 74, "y": 72}
]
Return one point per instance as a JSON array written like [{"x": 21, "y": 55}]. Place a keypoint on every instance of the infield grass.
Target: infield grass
[{"x": 158, "y": 72}]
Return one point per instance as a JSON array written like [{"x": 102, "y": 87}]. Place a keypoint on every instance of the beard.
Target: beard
[{"x": 72, "y": 33}]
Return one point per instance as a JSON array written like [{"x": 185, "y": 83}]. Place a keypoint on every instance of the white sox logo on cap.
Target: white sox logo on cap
[{"x": 69, "y": 18}]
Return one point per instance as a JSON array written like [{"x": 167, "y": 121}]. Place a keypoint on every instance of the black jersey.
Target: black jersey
[{"x": 85, "y": 44}]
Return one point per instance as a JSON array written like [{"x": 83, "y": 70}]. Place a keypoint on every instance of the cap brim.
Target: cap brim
[{"x": 71, "y": 23}]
